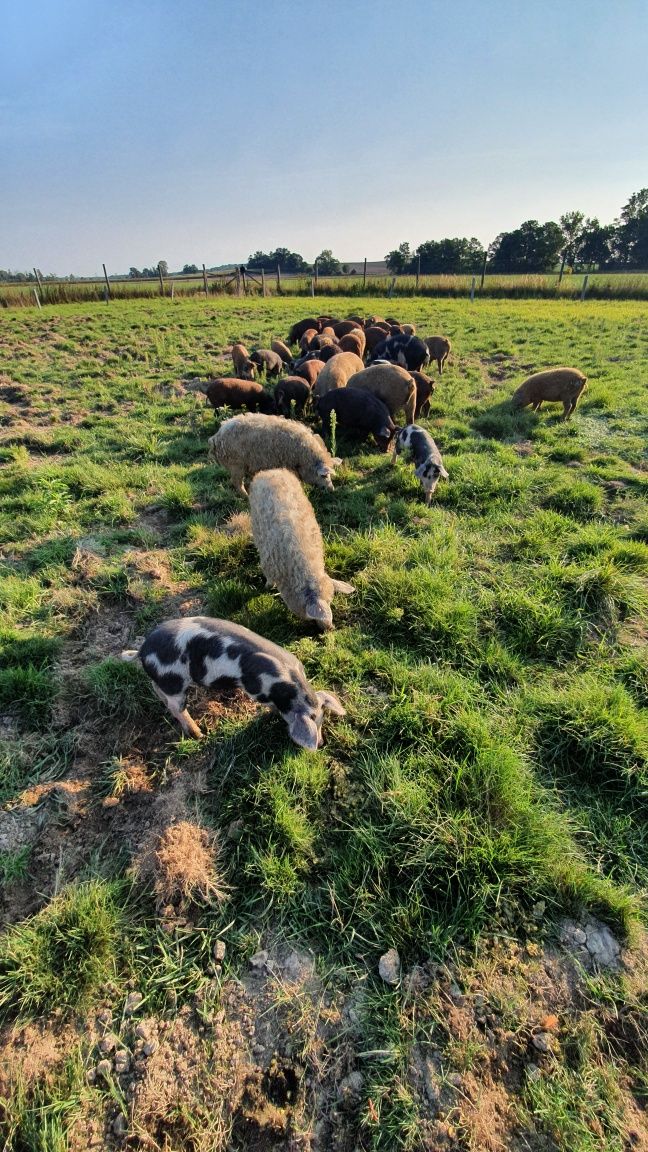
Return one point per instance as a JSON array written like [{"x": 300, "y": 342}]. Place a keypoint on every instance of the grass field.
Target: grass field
[
  {"x": 600, "y": 286},
  {"x": 192, "y": 930}
]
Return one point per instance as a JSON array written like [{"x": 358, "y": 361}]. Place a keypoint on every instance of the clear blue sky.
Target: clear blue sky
[{"x": 138, "y": 130}]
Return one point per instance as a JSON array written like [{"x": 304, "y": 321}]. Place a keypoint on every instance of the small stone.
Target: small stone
[
  {"x": 105, "y": 1017},
  {"x": 91, "y": 1075},
  {"x": 142, "y": 1031},
  {"x": 219, "y": 951},
  {"x": 578, "y": 936},
  {"x": 455, "y": 1079},
  {"x": 104, "y": 1068},
  {"x": 533, "y": 1073},
  {"x": 122, "y": 1062},
  {"x": 298, "y": 966},
  {"x": 120, "y": 1125},
  {"x": 107, "y": 1044},
  {"x": 350, "y": 1088},
  {"x": 389, "y": 966},
  {"x": 602, "y": 946},
  {"x": 259, "y": 960},
  {"x": 150, "y": 1047},
  {"x": 133, "y": 1001},
  {"x": 541, "y": 1042}
]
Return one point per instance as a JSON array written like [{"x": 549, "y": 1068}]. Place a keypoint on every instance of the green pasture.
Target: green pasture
[{"x": 493, "y": 665}]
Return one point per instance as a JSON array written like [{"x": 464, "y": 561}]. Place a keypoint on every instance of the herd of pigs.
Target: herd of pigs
[{"x": 275, "y": 456}]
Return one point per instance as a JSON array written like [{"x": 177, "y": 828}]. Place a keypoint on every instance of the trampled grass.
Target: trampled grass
[{"x": 494, "y": 755}]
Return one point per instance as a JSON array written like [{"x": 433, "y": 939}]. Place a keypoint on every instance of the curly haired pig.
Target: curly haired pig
[
  {"x": 282, "y": 350},
  {"x": 289, "y": 389},
  {"x": 555, "y": 385},
  {"x": 267, "y": 361},
  {"x": 428, "y": 465},
  {"x": 336, "y": 372},
  {"x": 355, "y": 341},
  {"x": 439, "y": 348},
  {"x": 342, "y": 327},
  {"x": 392, "y": 384},
  {"x": 309, "y": 370},
  {"x": 424, "y": 389},
  {"x": 374, "y": 335},
  {"x": 290, "y": 546},
  {"x": 243, "y": 366},
  {"x": 230, "y": 393},
  {"x": 408, "y": 351},
  {"x": 357, "y": 413},
  {"x": 221, "y": 655},
  {"x": 248, "y": 444},
  {"x": 300, "y": 327},
  {"x": 305, "y": 339}
]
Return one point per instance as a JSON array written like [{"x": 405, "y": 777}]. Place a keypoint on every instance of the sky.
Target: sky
[{"x": 142, "y": 130}]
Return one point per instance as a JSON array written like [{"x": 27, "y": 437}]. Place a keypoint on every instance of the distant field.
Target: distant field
[
  {"x": 601, "y": 286},
  {"x": 489, "y": 780}
]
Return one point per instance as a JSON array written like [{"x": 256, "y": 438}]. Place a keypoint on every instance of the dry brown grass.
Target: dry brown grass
[{"x": 181, "y": 862}]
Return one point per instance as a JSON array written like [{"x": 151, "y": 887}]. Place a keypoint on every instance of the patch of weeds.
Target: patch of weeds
[
  {"x": 28, "y": 693},
  {"x": 578, "y": 1109},
  {"x": 32, "y": 761},
  {"x": 579, "y": 499},
  {"x": 536, "y": 625},
  {"x": 118, "y": 689},
  {"x": 13, "y": 865},
  {"x": 38, "y": 1116},
  {"x": 58, "y": 957},
  {"x": 592, "y": 731}
]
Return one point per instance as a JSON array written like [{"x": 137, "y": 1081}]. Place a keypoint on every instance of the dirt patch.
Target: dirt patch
[{"x": 181, "y": 865}]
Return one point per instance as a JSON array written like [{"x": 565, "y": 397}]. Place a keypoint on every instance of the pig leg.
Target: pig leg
[
  {"x": 176, "y": 707},
  {"x": 237, "y": 477},
  {"x": 537, "y": 406},
  {"x": 567, "y": 409}
]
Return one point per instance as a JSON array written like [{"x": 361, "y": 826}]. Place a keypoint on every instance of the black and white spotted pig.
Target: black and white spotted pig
[
  {"x": 428, "y": 465},
  {"x": 408, "y": 351},
  {"x": 221, "y": 655}
]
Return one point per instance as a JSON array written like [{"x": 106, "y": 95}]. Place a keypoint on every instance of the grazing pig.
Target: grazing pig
[
  {"x": 439, "y": 348},
  {"x": 408, "y": 351},
  {"x": 218, "y": 654},
  {"x": 229, "y": 393},
  {"x": 290, "y": 546},
  {"x": 344, "y": 326},
  {"x": 282, "y": 350},
  {"x": 267, "y": 361},
  {"x": 289, "y": 389},
  {"x": 300, "y": 327},
  {"x": 336, "y": 373},
  {"x": 424, "y": 389},
  {"x": 555, "y": 385},
  {"x": 245, "y": 445},
  {"x": 309, "y": 370},
  {"x": 428, "y": 465},
  {"x": 393, "y": 384},
  {"x": 375, "y": 334},
  {"x": 243, "y": 366},
  {"x": 354, "y": 342},
  {"x": 305, "y": 339},
  {"x": 357, "y": 412}
]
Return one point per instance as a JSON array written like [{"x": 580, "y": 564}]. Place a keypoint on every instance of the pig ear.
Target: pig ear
[
  {"x": 336, "y": 461},
  {"x": 331, "y": 702},
  {"x": 303, "y": 731},
  {"x": 342, "y": 586},
  {"x": 443, "y": 473}
]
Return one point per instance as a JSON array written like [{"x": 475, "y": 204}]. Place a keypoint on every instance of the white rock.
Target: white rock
[{"x": 389, "y": 966}]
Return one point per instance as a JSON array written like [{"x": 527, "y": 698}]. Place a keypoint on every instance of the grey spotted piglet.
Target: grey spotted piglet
[
  {"x": 428, "y": 465},
  {"x": 221, "y": 655}
]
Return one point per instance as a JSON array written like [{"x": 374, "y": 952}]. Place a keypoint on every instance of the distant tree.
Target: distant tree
[
  {"x": 134, "y": 273},
  {"x": 571, "y": 226},
  {"x": 188, "y": 269},
  {"x": 399, "y": 259},
  {"x": 532, "y": 247},
  {"x": 163, "y": 267},
  {"x": 288, "y": 261},
  {"x": 449, "y": 256},
  {"x": 259, "y": 260},
  {"x": 327, "y": 265},
  {"x": 596, "y": 244},
  {"x": 631, "y": 233}
]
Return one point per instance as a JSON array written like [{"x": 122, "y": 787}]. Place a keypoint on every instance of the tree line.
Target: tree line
[{"x": 581, "y": 242}]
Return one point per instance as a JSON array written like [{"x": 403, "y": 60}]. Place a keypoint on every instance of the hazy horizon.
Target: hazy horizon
[{"x": 142, "y": 132}]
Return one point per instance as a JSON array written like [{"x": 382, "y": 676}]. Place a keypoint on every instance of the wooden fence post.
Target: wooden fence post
[
  {"x": 472, "y": 289},
  {"x": 313, "y": 286},
  {"x": 315, "y": 275},
  {"x": 37, "y": 297},
  {"x": 562, "y": 268},
  {"x": 364, "y": 274},
  {"x": 172, "y": 289},
  {"x": 206, "y": 285},
  {"x": 38, "y": 279},
  {"x": 278, "y": 280},
  {"x": 263, "y": 291},
  {"x": 238, "y": 280},
  {"x": 483, "y": 272},
  {"x": 107, "y": 281},
  {"x": 161, "y": 280},
  {"x": 391, "y": 287},
  {"x": 418, "y": 271},
  {"x": 244, "y": 280},
  {"x": 584, "y": 289}
]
